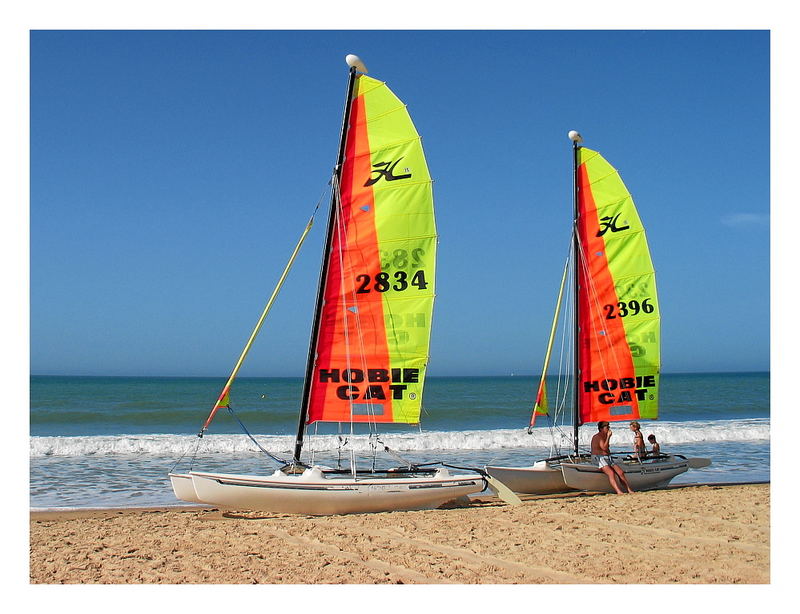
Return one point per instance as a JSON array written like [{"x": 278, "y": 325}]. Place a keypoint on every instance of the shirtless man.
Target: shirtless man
[
  {"x": 638, "y": 440},
  {"x": 601, "y": 456}
]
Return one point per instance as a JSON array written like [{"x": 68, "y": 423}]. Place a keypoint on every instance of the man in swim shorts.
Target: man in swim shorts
[{"x": 601, "y": 456}]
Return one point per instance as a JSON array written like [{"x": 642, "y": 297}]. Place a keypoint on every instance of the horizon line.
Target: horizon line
[{"x": 711, "y": 372}]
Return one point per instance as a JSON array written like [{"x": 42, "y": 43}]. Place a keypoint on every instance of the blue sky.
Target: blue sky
[{"x": 172, "y": 172}]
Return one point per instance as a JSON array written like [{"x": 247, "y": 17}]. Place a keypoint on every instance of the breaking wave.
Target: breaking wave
[{"x": 667, "y": 433}]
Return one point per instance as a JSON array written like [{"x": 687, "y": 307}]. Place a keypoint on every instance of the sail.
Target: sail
[
  {"x": 541, "y": 406},
  {"x": 619, "y": 318},
  {"x": 374, "y": 327}
]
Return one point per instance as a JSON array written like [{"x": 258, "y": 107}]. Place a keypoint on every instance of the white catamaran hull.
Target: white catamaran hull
[
  {"x": 183, "y": 487},
  {"x": 316, "y": 493},
  {"x": 640, "y": 475},
  {"x": 541, "y": 478}
]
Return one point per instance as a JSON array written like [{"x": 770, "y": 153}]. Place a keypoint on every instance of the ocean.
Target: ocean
[{"x": 110, "y": 441}]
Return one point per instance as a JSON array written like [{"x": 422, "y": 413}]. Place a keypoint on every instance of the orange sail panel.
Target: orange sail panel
[
  {"x": 619, "y": 318},
  {"x": 374, "y": 330}
]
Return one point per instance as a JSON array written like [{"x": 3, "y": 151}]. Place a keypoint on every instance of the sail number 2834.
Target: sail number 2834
[
  {"x": 400, "y": 279},
  {"x": 397, "y": 281},
  {"x": 629, "y": 308}
]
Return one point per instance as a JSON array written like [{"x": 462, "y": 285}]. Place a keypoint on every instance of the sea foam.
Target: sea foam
[{"x": 667, "y": 433}]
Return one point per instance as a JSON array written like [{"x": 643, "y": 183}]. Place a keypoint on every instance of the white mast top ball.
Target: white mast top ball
[
  {"x": 575, "y": 136},
  {"x": 353, "y": 61}
]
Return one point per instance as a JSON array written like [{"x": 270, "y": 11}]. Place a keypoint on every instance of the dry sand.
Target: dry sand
[{"x": 693, "y": 534}]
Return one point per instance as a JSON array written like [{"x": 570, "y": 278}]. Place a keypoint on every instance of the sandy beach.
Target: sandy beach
[{"x": 682, "y": 535}]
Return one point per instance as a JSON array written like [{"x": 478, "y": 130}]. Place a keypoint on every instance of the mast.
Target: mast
[
  {"x": 355, "y": 65},
  {"x": 576, "y": 138}
]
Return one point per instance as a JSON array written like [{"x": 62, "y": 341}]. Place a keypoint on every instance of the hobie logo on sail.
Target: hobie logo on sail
[
  {"x": 620, "y": 390},
  {"x": 610, "y": 223},
  {"x": 381, "y": 384},
  {"x": 385, "y": 170}
]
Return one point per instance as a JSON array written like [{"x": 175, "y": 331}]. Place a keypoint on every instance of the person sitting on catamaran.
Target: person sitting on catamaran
[
  {"x": 638, "y": 440},
  {"x": 656, "y": 448},
  {"x": 601, "y": 456}
]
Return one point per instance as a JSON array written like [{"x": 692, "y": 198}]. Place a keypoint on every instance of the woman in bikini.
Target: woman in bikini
[{"x": 638, "y": 440}]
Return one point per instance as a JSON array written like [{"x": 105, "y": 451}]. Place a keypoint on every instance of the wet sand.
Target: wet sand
[{"x": 683, "y": 535}]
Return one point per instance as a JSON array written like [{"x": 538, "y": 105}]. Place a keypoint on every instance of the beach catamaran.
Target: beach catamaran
[
  {"x": 613, "y": 331},
  {"x": 370, "y": 335}
]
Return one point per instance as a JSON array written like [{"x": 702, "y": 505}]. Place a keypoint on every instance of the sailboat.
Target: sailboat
[
  {"x": 614, "y": 323},
  {"x": 368, "y": 349}
]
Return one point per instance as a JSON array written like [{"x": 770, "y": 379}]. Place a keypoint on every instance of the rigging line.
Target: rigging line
[
  {"x": 253, "y": 439},
  {"x": 257, "y": 329},
  {"x": 556, "y": 428},
  {"x": 342, "y": 444},
  {"x": 570, "y": 384},
  {"x": 313, "y": 454},
  {"x": 593, "y": 297},
  {"x": 388, "y": 304},
  {"x": 565, "y": 358},
  {"x": 542, "y": 389},
  {"x": 302, "y": 427},
  {"x": 356, "y": 319},
  {"x": 567, "y": 308},
  {"x": 321, "y": 197},
  {"x": 341, "y": 237},
  {"x": 569, "y": 339},
  {"x": 395, "y": 455},
  {"x": 196, "y": 448},
  {"x": 362, "y": 353},
  {"x": 565, "y": 355}
]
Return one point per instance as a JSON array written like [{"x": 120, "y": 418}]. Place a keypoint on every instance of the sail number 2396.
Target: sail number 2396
[
  {"x": 397, "y": 281},
  {"x": 629, "y": 308}
]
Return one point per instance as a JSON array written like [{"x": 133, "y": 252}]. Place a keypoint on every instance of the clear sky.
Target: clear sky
[{"x": 171, "y": 173}]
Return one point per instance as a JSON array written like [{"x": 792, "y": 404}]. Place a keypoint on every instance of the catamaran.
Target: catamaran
[
  {"x": 613, "y": 331},
  {"x": 368, "y": 350}
]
